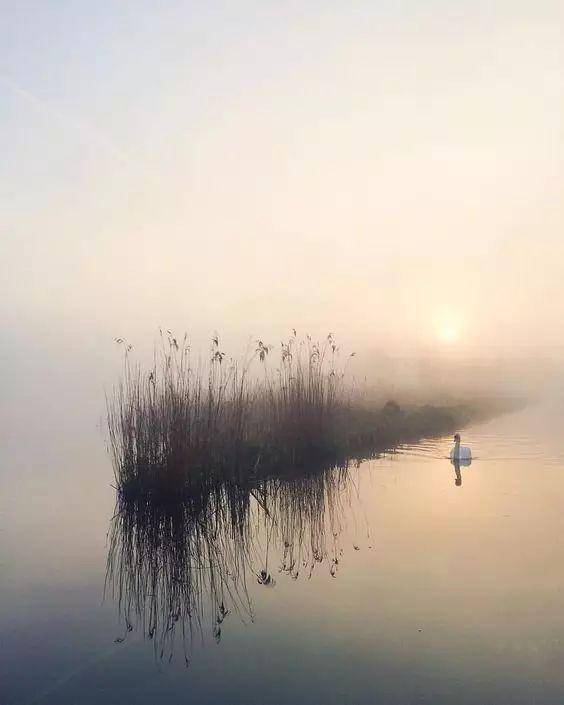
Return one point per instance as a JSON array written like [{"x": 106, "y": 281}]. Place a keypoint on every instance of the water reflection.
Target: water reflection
[
  {"x": 178, "y": 571},
  {"x": 163, "y": 559},
  {"x": 458, "y": 463}
]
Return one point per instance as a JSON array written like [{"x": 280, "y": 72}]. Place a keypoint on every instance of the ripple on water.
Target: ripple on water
[{"x": 514, "y": 445}]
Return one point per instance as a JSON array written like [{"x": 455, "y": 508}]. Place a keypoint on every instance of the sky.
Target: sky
[{"x": 389, "y": 171}]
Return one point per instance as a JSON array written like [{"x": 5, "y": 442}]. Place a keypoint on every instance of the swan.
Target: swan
[{"x": 458, "y": 452}]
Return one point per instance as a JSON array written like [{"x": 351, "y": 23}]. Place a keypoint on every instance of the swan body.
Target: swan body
[{"x": 459, "y": 452}]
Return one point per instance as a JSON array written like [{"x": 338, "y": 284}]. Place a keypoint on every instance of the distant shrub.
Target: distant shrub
[{"x": 391, "y": 408}]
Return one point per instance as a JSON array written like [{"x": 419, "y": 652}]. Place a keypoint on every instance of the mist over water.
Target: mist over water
[
  {"x": 388, "y": 173},
  {"x": 392, "y": 568}
]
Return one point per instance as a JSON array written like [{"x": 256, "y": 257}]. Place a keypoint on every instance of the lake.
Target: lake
[{"x": 388, "y": 583}]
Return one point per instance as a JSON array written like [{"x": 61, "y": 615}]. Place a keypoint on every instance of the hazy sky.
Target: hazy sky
[{"x": 391, "y": 171}]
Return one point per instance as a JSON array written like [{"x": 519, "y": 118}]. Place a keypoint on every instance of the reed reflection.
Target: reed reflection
[{"x": 179, "y": 571}]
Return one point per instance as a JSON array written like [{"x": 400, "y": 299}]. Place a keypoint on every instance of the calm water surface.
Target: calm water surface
[{"x": 387, "y": 584}]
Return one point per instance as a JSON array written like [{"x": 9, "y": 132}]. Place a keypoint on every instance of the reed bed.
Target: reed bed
[{"x": 184, "y": 424}]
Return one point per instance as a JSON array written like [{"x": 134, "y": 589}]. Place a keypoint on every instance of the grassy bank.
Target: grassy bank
[{"x": 187, "y": 424}]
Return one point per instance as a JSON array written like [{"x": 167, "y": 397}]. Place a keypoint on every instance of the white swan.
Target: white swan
[{"x": 460, "y": 453}]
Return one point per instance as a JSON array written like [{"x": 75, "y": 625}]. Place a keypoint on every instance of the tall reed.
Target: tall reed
[{"x": 185, "y": 423}]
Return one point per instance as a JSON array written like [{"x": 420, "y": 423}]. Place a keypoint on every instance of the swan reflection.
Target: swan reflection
[{"x": 457, "y": 464}]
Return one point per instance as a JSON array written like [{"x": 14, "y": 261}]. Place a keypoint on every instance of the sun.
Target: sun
[{"x": 448, "y": 334}]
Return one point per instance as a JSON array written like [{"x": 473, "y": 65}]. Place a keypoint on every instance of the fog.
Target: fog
[{"x": 388, "y": 172}]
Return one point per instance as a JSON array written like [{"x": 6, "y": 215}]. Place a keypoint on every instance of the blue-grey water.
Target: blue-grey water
[{"x": 389, "y": 584}]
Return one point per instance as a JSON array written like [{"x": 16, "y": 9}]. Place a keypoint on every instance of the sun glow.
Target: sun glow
[{"x": 448, "y": 334}]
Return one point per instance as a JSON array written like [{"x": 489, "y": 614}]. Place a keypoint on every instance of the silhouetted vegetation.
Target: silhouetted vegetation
[
  {"x": 185, "y": 425},
  {"x": 235, "y": 472}
]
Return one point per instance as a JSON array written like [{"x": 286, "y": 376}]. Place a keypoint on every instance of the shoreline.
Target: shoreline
[{"x": 365, "y": 433}]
